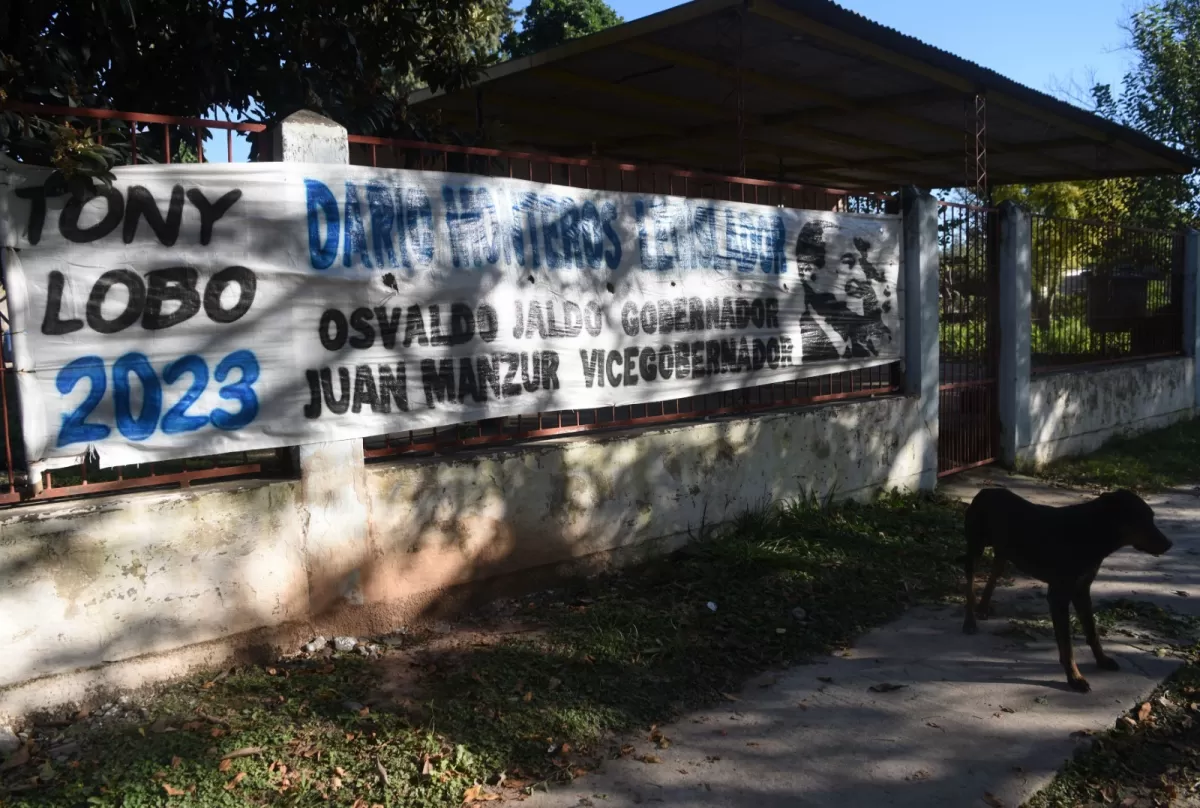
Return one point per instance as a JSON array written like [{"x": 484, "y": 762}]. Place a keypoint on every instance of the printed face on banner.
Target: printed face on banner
[{"x": 192, "y": 310}]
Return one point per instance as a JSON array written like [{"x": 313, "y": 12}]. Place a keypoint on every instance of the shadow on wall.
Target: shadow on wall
[
  {"x": 1075, "y": 412},
  {"x": 105, "y": 580}
]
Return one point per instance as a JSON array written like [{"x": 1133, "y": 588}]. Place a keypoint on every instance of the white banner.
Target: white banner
[{"x": 199, "y": 309}]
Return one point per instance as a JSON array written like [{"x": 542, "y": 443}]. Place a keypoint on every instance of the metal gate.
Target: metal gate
[{"x": 968, "y": 424}]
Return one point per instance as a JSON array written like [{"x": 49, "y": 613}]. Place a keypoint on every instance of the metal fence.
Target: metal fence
[
  {"x": 968, "y": 428},
  {"x": 145, "y": 138},
  {"x": 1104, "y": 292}
]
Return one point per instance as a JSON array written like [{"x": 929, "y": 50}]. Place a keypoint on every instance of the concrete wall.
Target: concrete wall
[
  {"x": 1075, "y": 412},
  {"x": 98, "y": 581}
]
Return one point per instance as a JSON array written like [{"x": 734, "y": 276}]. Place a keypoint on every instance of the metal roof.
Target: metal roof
[{"x": 827, "y": 96}]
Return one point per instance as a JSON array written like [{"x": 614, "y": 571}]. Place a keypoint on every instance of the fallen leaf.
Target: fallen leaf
[
  {"x": 1004, "y": 709},
  {"x": 364, "y": 712},
  {"x": 232, "y": 784},
  {"x": 992, "y": 800},
  {"x": 224, "y": 765},
  {"x": 650, "y": 759},
  {"x": 933, "y": 725},
  {"x": 918, "y": 775},
  {"x": 885, "y": 687},
  {"x": 172, "y": 791},
  {"x": 246, "y": 751},
  {"x": 626, "y": 750},
  {"x": 191, "y": 725},
  {"x": 1144, "y": 711},
  {"x": 427, "y": 768},
  {"x": 17, "y": 758},
  {"x": 335, "y": 783},
  {"x": 175, "y": 761},
  {"x": 271, "y": 671},
  {"x": 217, "y": 732},
  {"x": 730, "y": 697},
  {"x": 528, "y": 697}
]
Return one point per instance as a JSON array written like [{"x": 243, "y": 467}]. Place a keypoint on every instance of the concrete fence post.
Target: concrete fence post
[
  {"x": 1191, "y": 308},
  {"x": 921, "y": 356},
  {"x": 1014, "y": 331},
  {"x": 333, "y": 480}
]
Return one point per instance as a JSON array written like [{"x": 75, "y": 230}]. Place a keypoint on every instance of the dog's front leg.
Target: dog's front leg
[
  {"x": 969, "y": 625},
  {"x": 1060, "y": 613},
  {"x": 1083, "y": 608}
]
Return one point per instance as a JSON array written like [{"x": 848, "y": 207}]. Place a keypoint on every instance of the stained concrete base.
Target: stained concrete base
[{"x": 983, "y": 714}]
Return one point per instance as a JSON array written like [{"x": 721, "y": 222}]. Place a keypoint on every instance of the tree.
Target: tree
[
  {"x": 352, "y": 60},
  {"x": 547, "y": 23}
]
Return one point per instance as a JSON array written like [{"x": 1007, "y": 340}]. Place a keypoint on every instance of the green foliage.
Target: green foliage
[
  {"x": 547, "y": 23},
  {"x": 352, "y": 60},
  {"x": 1154, "y": 461}
]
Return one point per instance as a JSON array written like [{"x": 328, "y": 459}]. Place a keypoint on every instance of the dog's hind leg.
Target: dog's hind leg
[
  {"x": 984, "y": 609},
  {"x": 1060, "y": 612},
  {"x": 1083, "y": 608},
  {"x": 975, "y": 539}
]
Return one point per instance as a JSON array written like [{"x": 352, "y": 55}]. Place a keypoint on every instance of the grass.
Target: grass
[
  {"x": 1154, "y": 461},
  {"x": 508, "y": 711},
  {"x": 1152, "y": 755}
]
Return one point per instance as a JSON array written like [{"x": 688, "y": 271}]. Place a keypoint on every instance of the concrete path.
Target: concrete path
[{"x": 979, "y": 715}]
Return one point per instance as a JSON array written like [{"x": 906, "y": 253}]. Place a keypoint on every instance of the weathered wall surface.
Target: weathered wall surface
[
  {"x": 104, "y": 580},
  {"x": 1074, "y": 412}
]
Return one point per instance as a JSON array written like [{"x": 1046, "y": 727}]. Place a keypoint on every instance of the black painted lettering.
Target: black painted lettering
[
  {"x": 611, "y": 365},
  {"x": 593, "y": 320},
  {"x": 531, "y": 381},
  {"x": 648, "y": 364},
  {"x": 247, "y": 283},
  {"x": 37, "y": 211},
  {"x": 140, "y": 204},
  {"x": 729, "y": 355},
  {"x": 631, "y": 357},
  {"x": 712, "y": 357},
  {"x": 414, "y": 328},
  {"x": 572, "y": 319},
  {"x": 758, "y": 355},
  {"x": 462, "y": 324},
  {"x": 52, "y": 322},
  {"x": 683, "y": 360},
  {"x": 695, "y": 314},
  {"x": 332, "y": 341},
  {"x": 136, "y": 289},
  {"x": 313, "y": 408},
  {"x": 666, "y": 362},
  {"x": 744, "y": 362},
  {"x": 176, "y": 285},
  {"x": 772, "y": 313},
  {"x": 436, "y": 335},
  {"x": 437, "y": 377},
  {"x": 773, "y": 352},
  {"x": 360, "y": 321},
  {"x": 364, "y": 389},
  {"x": 511, "y": 387},
  {"x": 535, "y": 323},
  {"x": 68, "y": 220},
  {"x": 757, "y": 313},
  {"x": 393, "y": 388},
  {"x": 389, "y": 324},
  {"x": 338, "y": 405},
  {"x": 467, "y": 386},
  {"x": 487, "y": 373},
  {"x": 550, "y": 370},
  {"x": 519, "y": 326},
  {"x": 742, "y": 312},
  {"x": 487, "y": 322},
  {"x": 210, "y": 212},
  {"x": 592, "y": 361},
  {"x": 629, "y": 318},
  {"x": 712, "y": 313},
  {"x": 666, "y": 317}
]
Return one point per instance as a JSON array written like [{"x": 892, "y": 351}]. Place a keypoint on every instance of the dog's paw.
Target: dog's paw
[
  {"x": 969, "y": 626},
  {"x": 1080, "y": 685},
  {"x": 1107, "y": 663}
]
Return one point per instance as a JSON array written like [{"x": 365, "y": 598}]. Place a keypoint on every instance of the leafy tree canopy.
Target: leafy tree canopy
[{"x": 546, "y": 23}]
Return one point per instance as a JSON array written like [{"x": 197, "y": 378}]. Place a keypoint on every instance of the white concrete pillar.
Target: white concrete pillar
[
  {"x": 333, "y": 480},
  {"x": 1191, "y": 306},
  {"x": 1014, "y": 330},
  {"x": 921, "y": 352}
]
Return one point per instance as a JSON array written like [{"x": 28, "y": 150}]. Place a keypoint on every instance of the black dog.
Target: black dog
[{"x": 1064, "y": 547}]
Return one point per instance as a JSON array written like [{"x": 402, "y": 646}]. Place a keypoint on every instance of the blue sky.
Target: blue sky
[{"x": 1044, "y": 44}]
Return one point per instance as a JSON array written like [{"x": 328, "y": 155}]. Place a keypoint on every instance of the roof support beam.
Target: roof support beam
[{"x": 819, "y": 30}]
